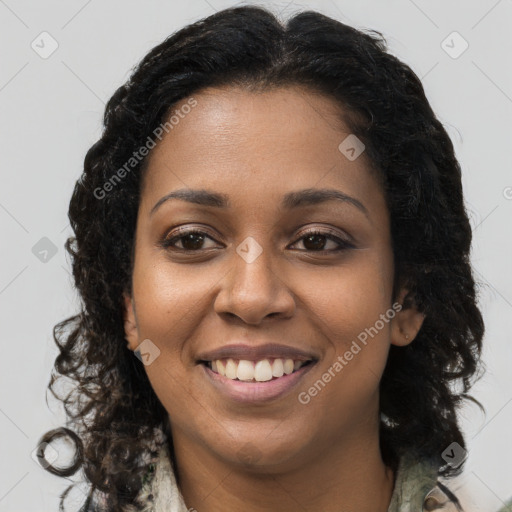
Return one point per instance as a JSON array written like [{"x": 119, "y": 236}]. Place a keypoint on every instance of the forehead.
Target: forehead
[
  {"x": 256, "y": 143},
  {"x": 255, "y": 119}
]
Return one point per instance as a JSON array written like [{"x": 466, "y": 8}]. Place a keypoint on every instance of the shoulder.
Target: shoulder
[{"x": 418, "y": 489}]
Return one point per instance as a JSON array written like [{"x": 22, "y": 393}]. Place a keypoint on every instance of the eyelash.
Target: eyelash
[{"x": 167, "y": 243}]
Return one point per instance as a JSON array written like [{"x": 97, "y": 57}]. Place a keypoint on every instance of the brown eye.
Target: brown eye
[
  {"x": 191, "y": 240},
  {"x": 316, "y": 240}
]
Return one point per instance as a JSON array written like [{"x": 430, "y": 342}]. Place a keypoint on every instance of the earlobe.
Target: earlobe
[
  {"x": 406, "y": 323},
  {"x": 130, "y": 323}
]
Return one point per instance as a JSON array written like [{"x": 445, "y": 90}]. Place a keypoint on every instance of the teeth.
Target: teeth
[
  {"x": 262, "y": 371},
  {"x": 221, "y": 367},
  {"x": 259, "y": 371},
  {"x": 277, "y": 368},
  {"x": 231, "y": 368},
  {"x": 245, "y": 370},
  {"x": 288, "y": 366}
]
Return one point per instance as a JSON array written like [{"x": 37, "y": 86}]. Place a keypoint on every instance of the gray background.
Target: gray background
[{"x": 51, "y": 109}]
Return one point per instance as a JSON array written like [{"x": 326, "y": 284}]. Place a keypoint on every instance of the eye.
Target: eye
[
  {"x": 191, "y": 240},
  {"x": 315, "y": 240}
]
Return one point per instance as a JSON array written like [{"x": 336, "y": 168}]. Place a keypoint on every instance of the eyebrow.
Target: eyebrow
[{"x": 292, "y": 200}]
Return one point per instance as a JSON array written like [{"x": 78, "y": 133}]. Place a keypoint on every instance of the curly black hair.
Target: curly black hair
[{"x": 117, "y": 421}]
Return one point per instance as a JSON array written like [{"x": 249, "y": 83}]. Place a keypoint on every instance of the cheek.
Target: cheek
[
  {"x": 168, "y": 298},
  {"x": 353, "y": 312},
  {"x": 169, "y": 306},
  {"x": 170, "y": 303},
  {"x": 351, "y": 298}
]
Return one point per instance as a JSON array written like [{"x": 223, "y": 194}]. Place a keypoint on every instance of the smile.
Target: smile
[
  {"x": 252, "y": 373},
  {"x": 262, "y": 370}
]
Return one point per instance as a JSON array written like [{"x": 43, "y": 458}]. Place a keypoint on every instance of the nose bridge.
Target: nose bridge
[
  {"x": 253, "y": 267},
  {"x": 253, "y": 289}
]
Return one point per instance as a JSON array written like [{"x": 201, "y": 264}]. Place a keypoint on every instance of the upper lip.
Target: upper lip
[{"x": 256, "y": 353}]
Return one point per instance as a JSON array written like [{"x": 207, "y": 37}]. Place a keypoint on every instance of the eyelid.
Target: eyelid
[
  {"x": 179, "y": 232},
  {"x": 324, "y": 231},
  {"x": 343, "y": 242}
]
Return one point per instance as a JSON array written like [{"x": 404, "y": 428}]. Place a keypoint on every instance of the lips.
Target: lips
[
  {"x": 256, "y": 353},
  {"x": 248, "y": 372}
]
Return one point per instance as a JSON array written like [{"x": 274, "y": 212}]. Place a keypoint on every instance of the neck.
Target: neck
[{"x": 349, "y": 475}]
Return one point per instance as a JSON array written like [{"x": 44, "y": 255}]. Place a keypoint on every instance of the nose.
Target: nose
[{"x": 252, "y": 290}]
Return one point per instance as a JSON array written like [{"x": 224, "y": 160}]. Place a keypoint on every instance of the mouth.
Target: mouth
[
  {"x": 262, "y": 370},
  {"x": 248, "y": 373}
]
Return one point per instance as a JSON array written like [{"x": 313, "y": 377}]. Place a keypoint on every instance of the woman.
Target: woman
[{"x": 273, "y": 223}]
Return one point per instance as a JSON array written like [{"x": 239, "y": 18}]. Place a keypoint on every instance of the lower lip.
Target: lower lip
[{"x": 250, "y": 392}]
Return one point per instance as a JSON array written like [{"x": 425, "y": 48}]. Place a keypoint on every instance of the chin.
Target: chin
[{"x": 261, "y": 453}]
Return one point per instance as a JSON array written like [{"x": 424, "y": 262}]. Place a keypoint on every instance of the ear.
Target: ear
[
  {"x": 406, "y": 322},
  {"x": 130, "y": 323}
]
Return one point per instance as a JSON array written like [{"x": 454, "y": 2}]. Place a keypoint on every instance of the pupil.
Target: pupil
[
  {"x": 190, "y": 238},
  {"x": 315, "y": 237}
]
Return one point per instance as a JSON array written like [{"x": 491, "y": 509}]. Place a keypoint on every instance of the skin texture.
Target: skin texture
[{"x": 255, "y": 147}]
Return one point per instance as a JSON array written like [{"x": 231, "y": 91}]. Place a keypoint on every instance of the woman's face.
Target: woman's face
[{"x": 256, "y": 286}]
